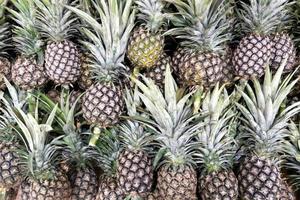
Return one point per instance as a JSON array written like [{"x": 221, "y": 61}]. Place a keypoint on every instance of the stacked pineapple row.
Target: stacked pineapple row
[{"x": 93, "y": 105}]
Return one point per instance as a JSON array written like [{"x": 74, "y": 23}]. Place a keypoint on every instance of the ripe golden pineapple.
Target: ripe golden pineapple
[
  {"x": 103, "y": 101},
  {"x": 177, "y": 178},
  {"x": 204, "y": 34},
  {"x": 146, "y": 43},
  {"x": 108, "y": 148},
  {"x": 28, "y": 70},
  {"x": 85, "y": 79},
  {"x": 134, "y": 168},
  {"x": 157, "y": 72},
  {"x": 38, "y": 155},
  {"x": 259, "y": 19},
  {"x": 265, "y": 125},
  {"x": 58, "y": 25},
  {"x": 217, "y": 148}
]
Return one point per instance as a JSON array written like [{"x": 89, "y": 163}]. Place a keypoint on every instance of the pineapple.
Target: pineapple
[
  {"x": 134, "y": 170},
  {"x": 204, "y": 28},
  {"x": 103, "y": 101},
  {"x": 24, "y": 190},
  {"x": 217, "y": 148},
  {"x": 174, "y": 125},
  {"x": 85, "y": 80},
  {"x": 46, "y": 181},
  {"x": 157, "y": 72},
  {"x": 76, "y": 155},
  {"x": 264, "y": 131},
  {"x": 108, "y": 148},
  {"x": 146, "y": 43},
  {"x": 257, "y": 49},
  {"x": 58, "y": 26},
  {"x": 28, "y": 70},
  {"x": 5, "y": 65},
  {"x": 10, "y": 168}
]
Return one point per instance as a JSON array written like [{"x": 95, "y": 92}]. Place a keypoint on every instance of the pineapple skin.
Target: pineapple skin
[
  {"x": 85, "y": 80},
  {"x": 85, "y": 185},
  {"x": 145, "y": 48},
  {"x": 27, "y": 74},
  {"x": 24, "y": 190},
  {"x": 283, "y": 46},
  {"x": 109, "y": 190},
  {"x": 219, "y": 185},
  {"x": 157, "y": 73},
  {"x": 180, "y": 184},
  {"x": 62, "y": 62},
  {"x": 103, "y": 104},
  {"x": 259, "y": 178},
  {"x": 10, "y": 169},
  {"x": 198, "y": 68},
  {"x": 286, "y": 191},
  {"x": 5, "y": 70},
  {"x": 228, "y": 71},
  {"x": 134, "y": 172},
  {"x": 251, "y": 56},
  {"x": 58, "y": 188}
]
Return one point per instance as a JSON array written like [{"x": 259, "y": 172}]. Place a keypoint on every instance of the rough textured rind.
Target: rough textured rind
[
  {"x": 5, "y": 70},
  {"x": 27, "y": 74},
  {"x": 85, "y": 185},
  {"x": 62, "y": 62},
  {"x": 283, "y": 48},
  {"x": 251, "y": 56},
  {"x": 103, "y": 105},
  {"x": 144, "y": 47},
  {"x": 180, "y": 184},
  {"x": 259, "y": 179},
  {"x": 58, "y": 188},
  {"x": 219, "y": 185},
  {"x": 109, "y": 190},
  {"x": 135, "y": 173},
  {"x": 10, "y": 169}
]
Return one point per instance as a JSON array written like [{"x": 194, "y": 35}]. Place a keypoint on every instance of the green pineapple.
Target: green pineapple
[
  {"x": 103, "y": 101},
  {"x": 28, "y": 70},
  {"x": 5, "y": 65},
  {"x": 264, "y": 131},
  {"x": 204, "y": 30},
  {"x": 58, "y": 26},
  {"x": 174, "y": 125},
  {"x": 146, "y": 43},
  {"x": 135, "y": 167},
  {"x": 37, "y": 155},
  {"x": 256, "y": 50},
  {"x": 217, "y": 148}
]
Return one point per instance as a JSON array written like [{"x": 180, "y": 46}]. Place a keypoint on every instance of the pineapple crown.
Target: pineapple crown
[
  {"x": 75, "y": 149},
  {"x": 55, "y": 21},
  {"x": 265, "y": 121},
  {"x": 107, "y": 41},
  {"x": 292, "y": 150},
  {"x": 262, "y": 16},
  {"x": 26, "y": 35},
  {"x": 170, "y": 119},
  {"x": 217, "y": 146},
  {"x": 39, "y": 154},
  {"x": 203, "y": 25},
  {"x": 4, "y": 30},
  {"x": 151, "y": 13},
  {"x": 108, "y": 147},
  {"x": 132, "y": 133}
]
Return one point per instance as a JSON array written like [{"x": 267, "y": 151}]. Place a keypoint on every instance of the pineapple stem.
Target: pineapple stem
[
  {"x": 135, "y": 74},
  {"x": 197, "y": 100},
  {"x": 95, "y": 136}
]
